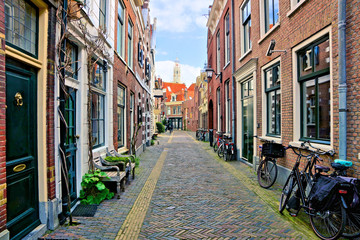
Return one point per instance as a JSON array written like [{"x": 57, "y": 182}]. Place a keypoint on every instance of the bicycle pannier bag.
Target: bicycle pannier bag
[{"x": 274, "y": 150}]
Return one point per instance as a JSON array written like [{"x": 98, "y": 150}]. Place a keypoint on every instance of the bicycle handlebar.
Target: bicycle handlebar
[{"x": 320, "y": 151}]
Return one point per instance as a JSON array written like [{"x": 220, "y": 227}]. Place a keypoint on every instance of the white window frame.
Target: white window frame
[
  {"x": 244, "y": 51},
  {"x": 296, "y": 91},
  {"x": 263, "y": 32},
  {"x": 120, "y": 34},
  {"x": 227, "y": 106},
  {"x": 218, "y": 66},
  {"x": 264, "y": 103},
  {"x": 130, "y": 45},
  {"x": 227, "y": 38}
]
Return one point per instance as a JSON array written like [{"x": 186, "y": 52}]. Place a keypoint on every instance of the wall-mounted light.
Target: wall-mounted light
[
  {"x": 210, "y": 72},
  {"x": 271, "y": 48}
]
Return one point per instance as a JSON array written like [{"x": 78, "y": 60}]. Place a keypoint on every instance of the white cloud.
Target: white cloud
[
  {"x": 179, "y": 16},
  {"x": 164, "y": 69}
]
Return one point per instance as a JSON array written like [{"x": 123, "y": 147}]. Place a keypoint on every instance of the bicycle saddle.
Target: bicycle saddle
[
  {"x": 322, "y": 168},
  {"x": 339, "y": 166},
  {"x": 343, "y": 162}
]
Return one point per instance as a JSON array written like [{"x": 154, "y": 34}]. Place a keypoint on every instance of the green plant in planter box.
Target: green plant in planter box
[
  {"x": 93, "y": 190},
  {"x": 118, "y": 161}
]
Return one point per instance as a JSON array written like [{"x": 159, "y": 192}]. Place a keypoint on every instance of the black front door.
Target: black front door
[
  {"x": 70, "y": 145},
  {"x": 247, "y": 102},
  {"x": 21, "y": 150}
]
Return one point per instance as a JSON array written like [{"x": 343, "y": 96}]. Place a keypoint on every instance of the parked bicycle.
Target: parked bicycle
[
  {"x": 200, "y": 134},
  {"x": 352, "y": 228},
  {"x": 267, "y": 170},
  {"x": 222, "y": 147},
  {"x": 325, "y": 203},
  {"x": 218, "y": 141}
]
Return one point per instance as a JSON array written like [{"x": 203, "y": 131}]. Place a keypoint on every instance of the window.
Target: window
[
  {"x": 218, "y": 110},
  {"x": 227, "y": 38},
  {"x": 140, "y": 55},
  {"x": 174, "y": 110},
  {"x": 102, "y": 14},
  {"x": 173, "y": 98},
  {"x": 21, "y": 25},
  {"x": 314, "y": 79},
  {"x": 120, "y": 29},
  {"x": 179, "y": 109},
  {"x": 271, "y": 13},
  {"x": 132, "y": 102},
  {"x": 246, "y": 26},
  {"x": 168, "y": 111},
  {"x": 227, "y": 106},
  {"x": 130, "y": 44},
  {"x": 218, "y": 52},
  {"x": 72, "y": 53},
  {"x": 121, "y": 116},
  {"x": 98, "y": 106},
  {"x": 273, "y": 100}
]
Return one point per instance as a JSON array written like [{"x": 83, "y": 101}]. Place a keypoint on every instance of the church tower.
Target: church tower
[{"x": 177, "y": 72}]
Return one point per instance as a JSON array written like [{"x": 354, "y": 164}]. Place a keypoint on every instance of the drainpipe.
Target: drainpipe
[
  {"x": 342, "y": 79},
  {"x": 65, "y": 207},
  {"x": 233, "y": 71}
]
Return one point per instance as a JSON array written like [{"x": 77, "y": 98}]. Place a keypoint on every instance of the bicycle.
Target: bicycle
[
  {"x": 327, "y": 221},
  {"x": 352, "y": 228},
  {"x": 221, "y": 150},
  {"x": 219, "y": 140},
  {"x": 267, "y": 170}
]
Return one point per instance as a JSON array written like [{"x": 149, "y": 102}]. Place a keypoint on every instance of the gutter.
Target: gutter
[
  {"x": 233, "y": 71},
  {"x": 342, "y": 79}
]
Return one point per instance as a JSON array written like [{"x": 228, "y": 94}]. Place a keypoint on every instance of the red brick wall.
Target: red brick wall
[
  {"x": 50, "y": 131},
  {"x": 190, "y": 114},
  {"x": 309, "y": 19},
  {"x": 125, "y": 77},
  {"x": 2, "y": 121},
  {"x": 214, "y": 83}
]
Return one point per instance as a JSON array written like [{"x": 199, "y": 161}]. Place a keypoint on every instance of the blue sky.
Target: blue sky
[{"x": 181, "y": 33}]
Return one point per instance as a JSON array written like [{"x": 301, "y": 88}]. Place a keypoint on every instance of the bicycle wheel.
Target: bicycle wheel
[
  {"x": 352, "y": 228},
  {"x": 286, "y": 192},
  {"x": 215, "y": 147},
  {"x": 329, "y": 223},
  {"x": 267, "y": 172},
  {"x": 221, "y": 151}
]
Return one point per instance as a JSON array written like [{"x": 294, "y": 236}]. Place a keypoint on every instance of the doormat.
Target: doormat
[{"x": 85, "y": 210}]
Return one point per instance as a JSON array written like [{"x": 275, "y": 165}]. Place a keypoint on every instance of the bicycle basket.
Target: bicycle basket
[{"x": 274, "y": 150}]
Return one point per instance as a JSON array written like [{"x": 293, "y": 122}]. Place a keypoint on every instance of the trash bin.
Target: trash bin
[{"x": 211, "y": 137}]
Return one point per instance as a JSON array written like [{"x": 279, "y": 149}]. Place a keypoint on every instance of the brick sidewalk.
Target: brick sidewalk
[{"x": 188, "y": 193}]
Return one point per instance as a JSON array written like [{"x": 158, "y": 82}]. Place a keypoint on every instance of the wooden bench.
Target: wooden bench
[
  {"x": 130, "y": 166},
  {"x": 114, "y": 174}
]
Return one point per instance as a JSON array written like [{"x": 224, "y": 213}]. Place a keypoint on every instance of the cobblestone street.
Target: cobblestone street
[{"x": 182, "y": 191}]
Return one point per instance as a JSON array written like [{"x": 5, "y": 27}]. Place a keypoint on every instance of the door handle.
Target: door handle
[{"x": 19, "y": 99}]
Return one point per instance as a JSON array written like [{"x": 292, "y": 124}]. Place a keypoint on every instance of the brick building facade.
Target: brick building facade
[
  {"x": 290, "y": 95},
  {"x": 220, "y": 52}
]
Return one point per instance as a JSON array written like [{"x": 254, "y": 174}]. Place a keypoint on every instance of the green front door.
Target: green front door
[
  {"x": 247, "y": 103},
  {"x": 70, "y": 145},
  {"x": 21, "y": 150}
]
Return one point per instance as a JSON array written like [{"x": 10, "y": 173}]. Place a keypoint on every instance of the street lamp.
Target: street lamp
[{"x": 209, "y": 73}]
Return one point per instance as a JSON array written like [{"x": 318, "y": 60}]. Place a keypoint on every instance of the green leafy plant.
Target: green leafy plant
[
  {"x": 117, "y": 159},
  {"x": 160, "y": 127},
  {"x": 152, "y": 142},
  {"x": 93, "y": 190},
  {"x": 137, "y": 161}
]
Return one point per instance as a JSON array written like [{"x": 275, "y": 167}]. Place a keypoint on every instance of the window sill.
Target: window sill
[
  {"x": 100, "y": 150},
  {"x": 324, "y": 147},
  {"x": 269, "y": 32},
  {"x": 245, "y": 54},
  {"x": 295, "y": 8},
  {"x": 228, "y": 63},
  {"x": 122, "y": 150},
  {"x": 121, "y": 58},
  {"x": 268, "y": 138}
]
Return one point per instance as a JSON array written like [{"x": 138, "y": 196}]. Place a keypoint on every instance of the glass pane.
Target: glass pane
[
  {"x": 251, "y": 87},
  {"x": 121, "y": 11},
  {"x": 271, "y": 112},
  {"x": 278, "y": 112},
  {"x": 21, "y": 25},
  {"x": 95, "y": 132},
  {"x": 276, "y": 11},
  {"x": 309, "y": 109},
  {"x": 98, "y": 77},
  {"x": 94, "y": 106},
  {"x": 324, "y": 107},
  {"x": 322, "y": 56},
  {"x": 101, "y": 132},
  {"x": 101, "y": 107},
  {"x": 305, "y": 62}
]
